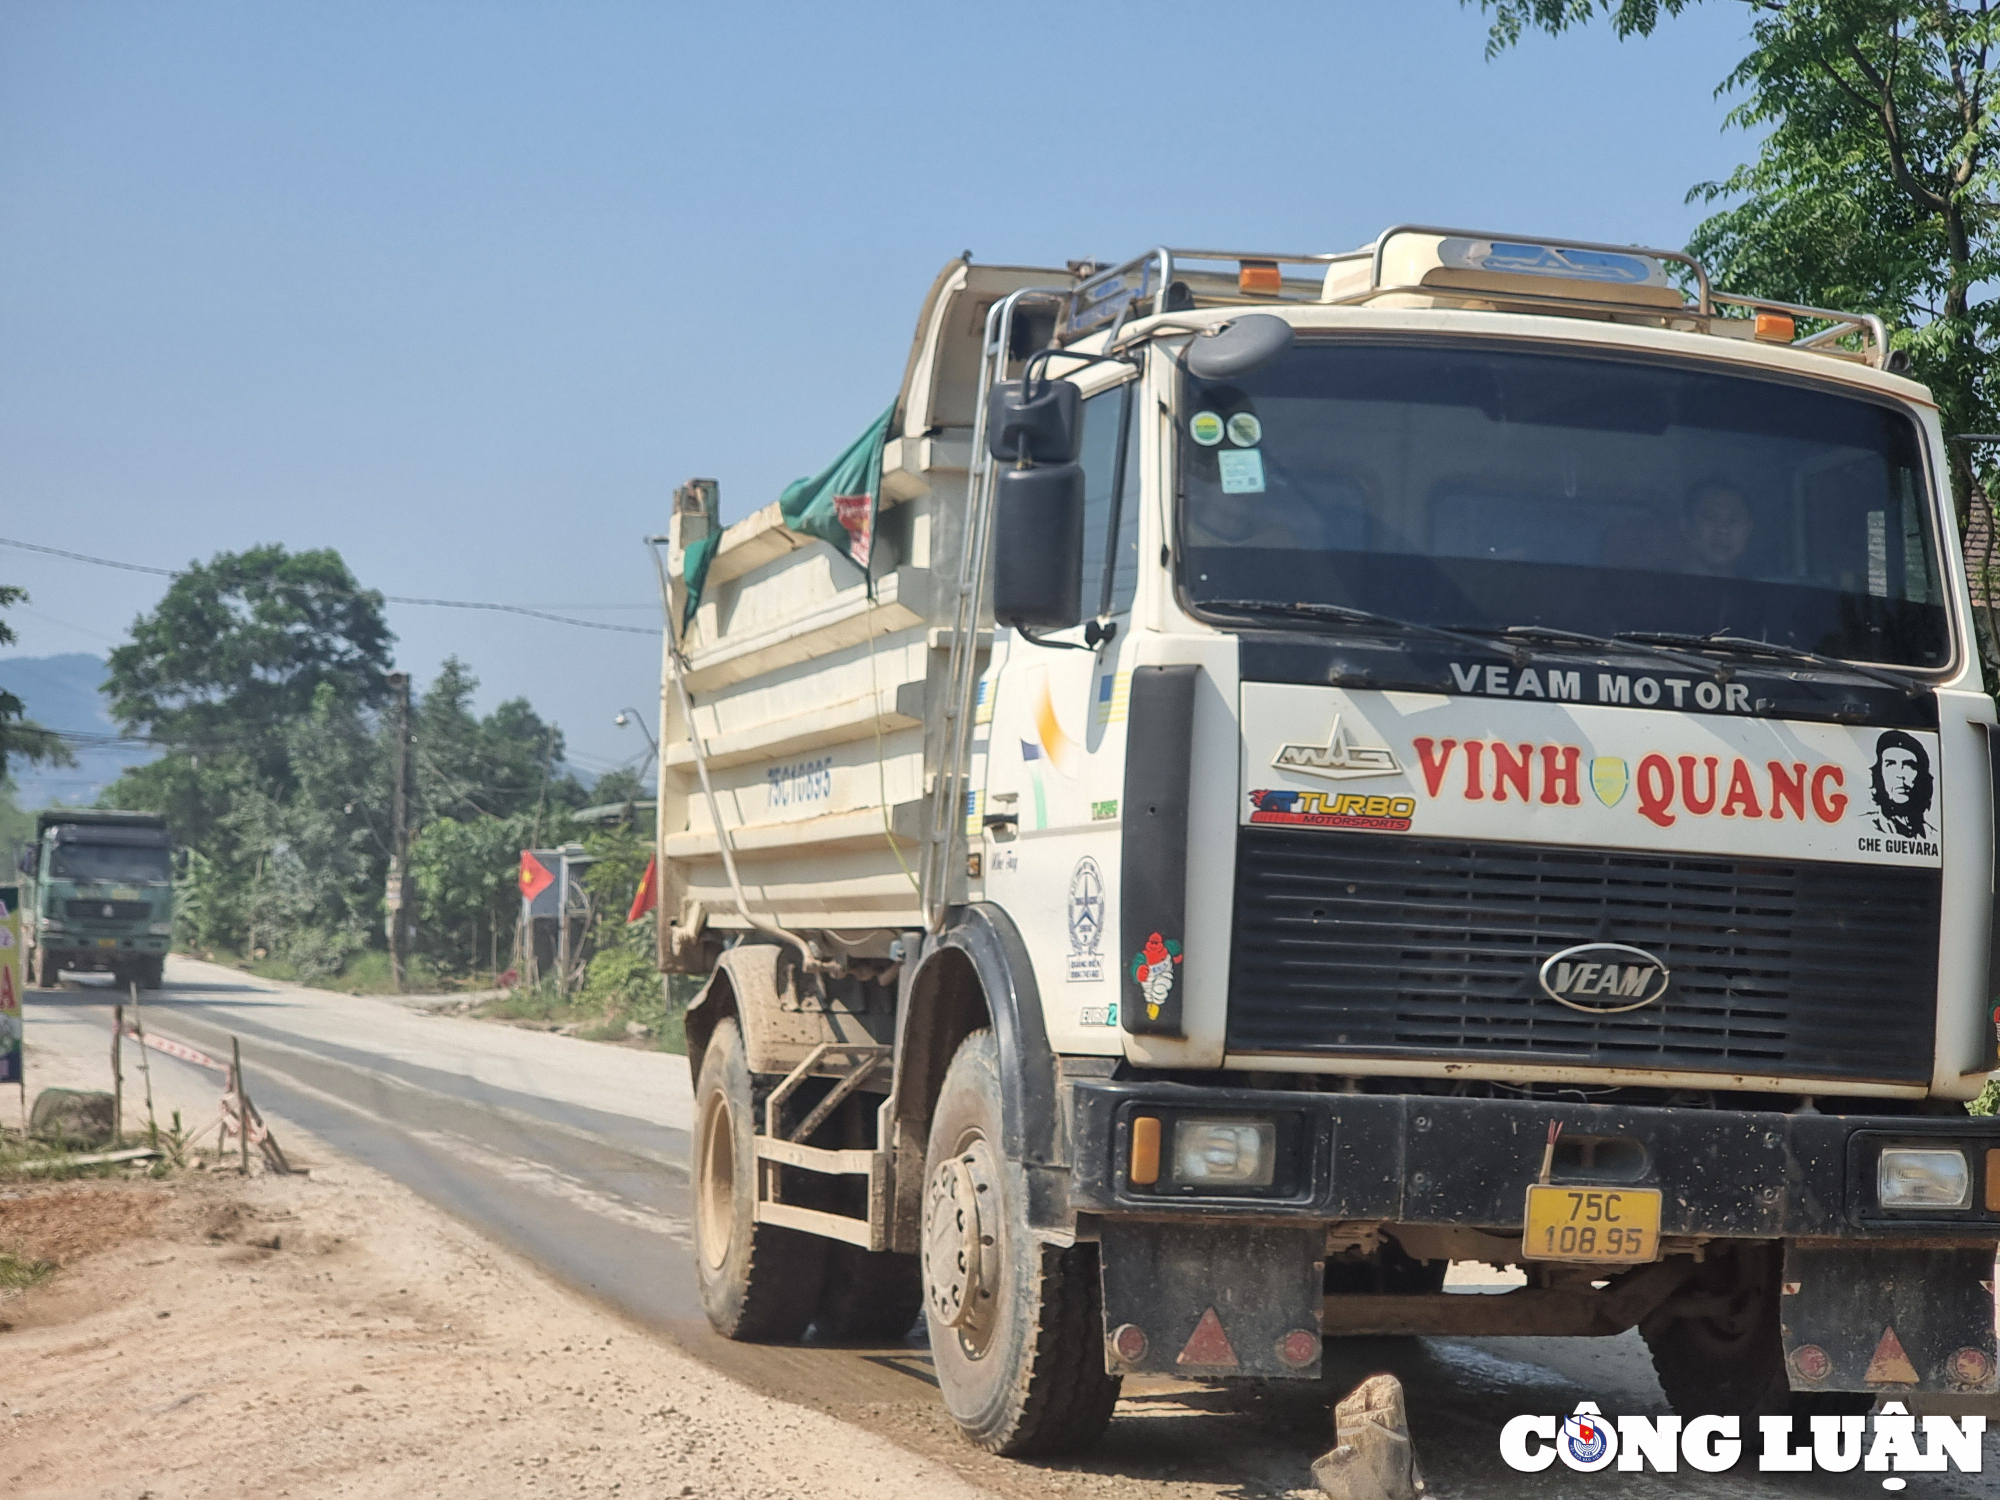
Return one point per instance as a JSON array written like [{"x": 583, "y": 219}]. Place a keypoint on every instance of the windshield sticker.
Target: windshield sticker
[
  {"x": 1242, "y": 471},
  {"x": 1205, "y": 427},
  {"x": 1245, "y": 431}
]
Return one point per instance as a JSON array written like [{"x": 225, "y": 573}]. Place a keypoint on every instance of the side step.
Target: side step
[{"x": 871, "y": 1233}]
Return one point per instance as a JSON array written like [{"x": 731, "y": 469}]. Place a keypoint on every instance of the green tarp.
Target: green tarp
[{"x": 837, "y": 505}]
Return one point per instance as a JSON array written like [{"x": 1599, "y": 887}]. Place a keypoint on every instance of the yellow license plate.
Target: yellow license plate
[
  {"x": 107, "y": 942},
  {"x": 1604, "y": 1226}
]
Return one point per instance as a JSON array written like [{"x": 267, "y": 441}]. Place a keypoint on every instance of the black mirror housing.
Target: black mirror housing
[
  {"x": 1239, "y": 347},
  {"x": 1046, "y": 423},
  {"x": 1038, "y": 547}
]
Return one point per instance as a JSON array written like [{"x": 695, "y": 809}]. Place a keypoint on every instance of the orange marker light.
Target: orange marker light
[
  {"x": 1993, "y": 1182},
  {"x": 1775, "y": 328},
  {"x": 1145, "y": 1151},
  {"x": 1259, "y": 278}
]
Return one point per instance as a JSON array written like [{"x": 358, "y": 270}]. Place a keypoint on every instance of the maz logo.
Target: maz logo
[
  {"x": 1604, "y": 978},
  {"x": 1338, "y": 760}
]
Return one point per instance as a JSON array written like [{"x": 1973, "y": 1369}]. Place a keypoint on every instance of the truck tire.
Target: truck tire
[
  {"x": 868, "y": 1296},
  {"x": 152, "y": 973},
  {"x": 1015, "y": 1325},
  {"x": 759, "y": 1283},
  {"x": 1732, "y": 1362},
  {"x": 47, "y": 976}
]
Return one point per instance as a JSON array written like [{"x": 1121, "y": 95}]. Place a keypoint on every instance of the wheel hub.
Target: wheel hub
[{"x": 961, "y": 1250}]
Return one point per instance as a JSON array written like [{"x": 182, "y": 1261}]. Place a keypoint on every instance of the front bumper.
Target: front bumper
[{"x": 1422, "y": 1159}]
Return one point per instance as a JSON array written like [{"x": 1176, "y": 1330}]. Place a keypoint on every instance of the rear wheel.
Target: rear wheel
[
  {"x": 1015, "y": 1325},
  {"x": 759, "y": 1283},
  {"x": 47, "y": 976},
  {"x": 152, "y": 973},
  {"x": 1730, "y": 1361}
]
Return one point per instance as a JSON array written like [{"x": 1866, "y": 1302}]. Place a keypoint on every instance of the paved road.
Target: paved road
[{"x": 573, "y": 1154}]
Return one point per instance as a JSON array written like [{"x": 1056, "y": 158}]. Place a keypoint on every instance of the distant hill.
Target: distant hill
[{"x": 64, "y": 692}]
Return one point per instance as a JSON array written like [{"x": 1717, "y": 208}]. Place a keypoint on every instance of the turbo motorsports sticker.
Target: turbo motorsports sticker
[{"x": 1333, "y": 810}]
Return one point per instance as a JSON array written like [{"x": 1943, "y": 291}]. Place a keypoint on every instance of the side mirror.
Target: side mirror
[
  {"x": 1047, "y": 424},
  {"x": 1038, "y": 547},
  {"x": 1239, "y": 347}
]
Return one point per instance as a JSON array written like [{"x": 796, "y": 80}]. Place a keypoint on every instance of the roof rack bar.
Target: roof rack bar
[
  {"x": 1705, "y": 306},
  {"x": 1160, "y": 262},
  {"x": 1844, "y": 323}
]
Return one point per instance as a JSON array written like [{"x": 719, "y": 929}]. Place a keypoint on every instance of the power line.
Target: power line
[{"x": 507, "y": 609}]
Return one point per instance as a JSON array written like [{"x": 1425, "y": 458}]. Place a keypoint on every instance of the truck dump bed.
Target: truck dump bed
[{"x": 813, "y": 677}]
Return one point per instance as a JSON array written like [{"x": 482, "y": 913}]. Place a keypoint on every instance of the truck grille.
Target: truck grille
[
  {"x": 108, "y": 911},
  {"x": 1379, "y": 945}
]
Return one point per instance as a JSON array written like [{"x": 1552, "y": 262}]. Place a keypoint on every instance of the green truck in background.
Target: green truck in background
[{"x": 98, "y": 895}]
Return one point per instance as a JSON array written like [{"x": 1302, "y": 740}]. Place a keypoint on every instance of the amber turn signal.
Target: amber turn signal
[
  {"x": 1993, "y": 1182},
  {"x": 1259, "y": 278},
  {"x": 1775, "y": 328},
  {"x": 1146, "y": 1151}
]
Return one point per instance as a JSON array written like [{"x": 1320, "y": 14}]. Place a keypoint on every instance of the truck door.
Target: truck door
[{"x": 1055, "y": 764}]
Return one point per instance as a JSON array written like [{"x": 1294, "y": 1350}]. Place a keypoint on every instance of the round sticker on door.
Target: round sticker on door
[
  {"x": 1245, "y": 431},
  {"x": 1205, "y": 427}
]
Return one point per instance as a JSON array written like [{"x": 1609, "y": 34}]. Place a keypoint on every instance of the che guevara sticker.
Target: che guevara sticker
[{"x": 1427, "y": 763}]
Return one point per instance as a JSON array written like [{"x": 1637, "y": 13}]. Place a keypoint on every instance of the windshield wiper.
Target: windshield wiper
[
  {"x": 1344, "y": 614},
  {"x": 1743, "y": 645},
  {"x": 1555, "y": 635}
]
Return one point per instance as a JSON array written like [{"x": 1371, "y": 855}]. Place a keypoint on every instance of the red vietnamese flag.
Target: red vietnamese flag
[
  {"x": 535, "y": 876},
  {"x": 648, "y": 895}
]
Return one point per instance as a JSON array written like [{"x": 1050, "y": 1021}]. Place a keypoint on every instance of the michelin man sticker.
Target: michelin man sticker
[
  {"x": 1086, "y": 923},
  {"x": 1153, "y": 972}
]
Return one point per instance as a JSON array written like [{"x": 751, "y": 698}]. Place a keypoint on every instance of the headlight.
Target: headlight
[
  {"x": 1923, "y": 1179},
  {"x": 1225, "y": 1153},
  {"x": 50, "y": 924}
]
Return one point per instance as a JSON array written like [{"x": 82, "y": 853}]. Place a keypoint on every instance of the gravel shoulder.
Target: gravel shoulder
[{"x": 333, "y": 1335}]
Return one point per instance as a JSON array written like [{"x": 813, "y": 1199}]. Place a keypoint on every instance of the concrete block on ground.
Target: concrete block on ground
[
  {"x": 72, "y": 1117},
  {"x": 1372, "y": 1458}
]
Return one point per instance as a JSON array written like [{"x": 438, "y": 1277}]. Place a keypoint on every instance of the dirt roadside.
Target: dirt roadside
[{"x": 333, "y": 1335}]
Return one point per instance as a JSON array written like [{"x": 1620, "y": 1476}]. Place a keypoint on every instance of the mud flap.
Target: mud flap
[
  {"x": 1212, "y": 1301},
  {"x": 1889, "y": 1320}
]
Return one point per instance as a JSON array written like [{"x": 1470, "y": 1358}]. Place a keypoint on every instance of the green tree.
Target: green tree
[
  {"x": 21, "y": 736},
  {"x": 240, "y": 647},
  {"x": 1872, "y": 190}
]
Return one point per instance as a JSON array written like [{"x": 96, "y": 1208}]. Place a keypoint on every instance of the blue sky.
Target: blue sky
[{"x": 463, "y": 290}]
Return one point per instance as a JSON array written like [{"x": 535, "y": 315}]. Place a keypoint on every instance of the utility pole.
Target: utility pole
[{"x": 399, "y": 829}]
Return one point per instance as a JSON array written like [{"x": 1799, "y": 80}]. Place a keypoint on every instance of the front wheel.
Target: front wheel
[
  {"x": 47, "y": 976},
  {"x": 759, "y": 1283},
  {"x": 152, "y": 973},
  {"x": 1730, "y": 1361},
  {"x": 1015, "y": 1325}
]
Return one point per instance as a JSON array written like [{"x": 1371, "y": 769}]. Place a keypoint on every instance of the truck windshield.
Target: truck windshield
[
  {"x": 108, "y": 862},
  {"x": 1477, "y": 487}
]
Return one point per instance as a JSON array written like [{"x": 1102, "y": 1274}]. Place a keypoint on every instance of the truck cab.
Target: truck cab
[
  {"x": 1433, "y": 754},
  {"x": 99, "y": 896}
]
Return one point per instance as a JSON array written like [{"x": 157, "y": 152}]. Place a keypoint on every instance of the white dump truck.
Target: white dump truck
[{"x": 1263, "y": 776}]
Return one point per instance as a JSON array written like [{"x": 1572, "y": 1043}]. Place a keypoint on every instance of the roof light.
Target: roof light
[
  {"x": 1775, "y": 328},
  {"x": 1259, "y": 278}
]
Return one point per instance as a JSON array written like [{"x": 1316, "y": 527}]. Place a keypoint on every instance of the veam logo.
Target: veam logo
[
  {"x": 1604, "y": 978},
  {"x": 1337, "y": 759}
]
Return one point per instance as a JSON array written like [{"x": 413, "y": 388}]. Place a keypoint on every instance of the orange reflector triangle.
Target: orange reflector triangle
[
  {"x": 1890, "y": 1366},
  {"x": 1209, "y": 1345}
]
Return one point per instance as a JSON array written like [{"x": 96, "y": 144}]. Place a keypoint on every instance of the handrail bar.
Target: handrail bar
[{"x": 947, "y": 819}]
